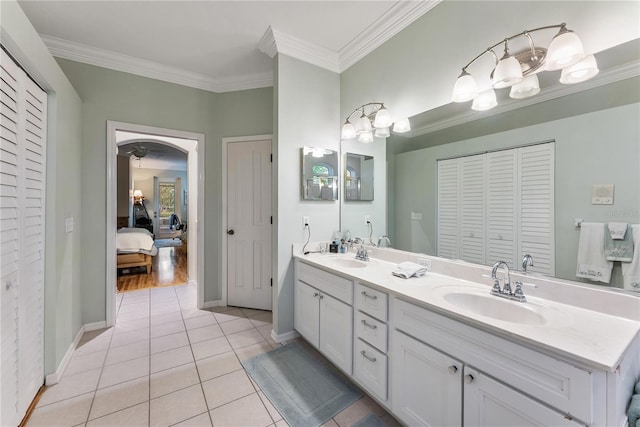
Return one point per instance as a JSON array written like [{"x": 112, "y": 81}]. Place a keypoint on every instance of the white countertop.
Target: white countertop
[{"x": 589, "y": 338}]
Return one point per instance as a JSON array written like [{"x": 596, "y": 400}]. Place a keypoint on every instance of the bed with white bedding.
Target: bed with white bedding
[{"x": 135, "y": 248}]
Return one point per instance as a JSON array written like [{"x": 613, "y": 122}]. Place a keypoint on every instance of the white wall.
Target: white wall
[
  {"x": 63, "y": 253},
  {"x": 307, "y": 113}
]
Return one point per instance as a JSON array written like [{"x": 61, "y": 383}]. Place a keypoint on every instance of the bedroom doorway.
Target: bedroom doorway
[{"x": 170, "y": 265}]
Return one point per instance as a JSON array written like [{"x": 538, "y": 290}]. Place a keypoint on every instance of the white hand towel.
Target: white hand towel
[
  {"x": 592, "y": 263},
  {"x": 631, "y": 271},
  {"x": 617, "y": 230},
  {"x": 409, "y": 269}
]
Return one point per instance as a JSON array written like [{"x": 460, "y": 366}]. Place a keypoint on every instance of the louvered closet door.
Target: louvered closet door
[
  {"x": 472, "y": 238},
  {"x": 502, "y": 207},
  {"x": 448, "y": 212},
  {"x": 536, "y": 214},
  {"x": 22, "y": 192}
]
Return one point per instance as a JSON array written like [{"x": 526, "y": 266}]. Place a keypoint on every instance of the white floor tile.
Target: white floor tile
[
  {"x": 168, "y": 342},
  {"x": 136, "y": 416},
  {"x": 171, "y": 358},
  {"x": 227, "y": 388},
  {"x": 229, "y": 315},
  {"x": 273, "y": 412},
  {"x": 253, "y": 350},
  {"x": 127, "y": 352},
  {"x": 131, "y": 325},
  {"x": 215, "y": 366},
  {"x": 68, "y": 412},
  {"x": 124, "y": 371},
  {"x": 81, "y": 362},
  {"x": 247, "y": 411},
  {"x": 71, "y": 386},
  {"x": 159, "y": 319},
  {"x": 120, "y": 396},
  {"x": 237, "y": 325},
  {"x": 205, "y": 333},
  {"x": 167, "y": 328},
  {"x": 210, "y": 347},
  {"x": 202, "y": 420},
  {"x": 261, "y": 319},
  {"x": 129, "y": 337},
  {"x": 178, "y": 406},
  {"x": 173, "y": 379},
  {"x": 194, "y": 312},
  {"x": 200, "y": 321},
  {"x": 245, "y": 338}
]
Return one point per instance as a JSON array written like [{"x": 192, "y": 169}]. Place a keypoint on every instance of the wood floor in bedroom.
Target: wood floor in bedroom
[{"x": 168, "y": 268}]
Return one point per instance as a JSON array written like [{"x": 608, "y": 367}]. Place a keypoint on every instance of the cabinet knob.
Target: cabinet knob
[
  {"x": 468, "y": 379},
  {"x": 369, "y": 358},
  {"x": 315, "y": 294},
  {"x": 364, "y": 322},
  {"x": 366, "y": 295},
  {"x": 9, "y": 284},
  {"x": 453, "y": 369}
]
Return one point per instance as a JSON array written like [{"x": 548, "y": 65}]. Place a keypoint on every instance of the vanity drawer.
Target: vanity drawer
[
  {"x": 371, "y": 301},
  {"x": 370, "y": 368},
  {"x": 335, "y": 286},
  {"x": 371, "y": 330},
  {"x": 559, "y": 384}
]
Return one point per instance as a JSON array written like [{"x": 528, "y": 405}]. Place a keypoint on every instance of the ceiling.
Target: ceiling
[{"x": 216, "y": 45}]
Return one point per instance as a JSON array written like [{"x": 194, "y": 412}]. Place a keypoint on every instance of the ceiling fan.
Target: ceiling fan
[{"x": 138, "y": 150}]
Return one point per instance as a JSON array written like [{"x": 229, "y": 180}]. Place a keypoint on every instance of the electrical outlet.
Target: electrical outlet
[
  {"x": 68, "y": 224},
  {"x": 425, "y": 262},
  {"x": 367, "y": 219},
  {"x": 305, "y": 221}
]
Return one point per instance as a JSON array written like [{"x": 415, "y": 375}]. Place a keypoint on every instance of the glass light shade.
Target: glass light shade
[
  {"x": 348, "y": 131},
  {"x": 383, "y": 118},
  {"x": 382, "y": 132},
  {"x": 317, "y": 153},
  {"x": 484, "y": 101},
  {"x": 565, "y": 50},
  {"x": 581, "y": 71},
  {"x": 402, "y": 126},
  {"x": 528, "y": 87},
  {"x": 507, "y": 73},
  {"x": 137, "y": 193},
  {"x": 363, "y": 125},
  {"x": 366, "y": 137},
  {"x": 464, "y": 90}
]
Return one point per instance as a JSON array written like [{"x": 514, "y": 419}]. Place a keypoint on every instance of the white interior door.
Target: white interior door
[
  {"x": 249, "y": 224},
  {"x": 156, "y": 206}
]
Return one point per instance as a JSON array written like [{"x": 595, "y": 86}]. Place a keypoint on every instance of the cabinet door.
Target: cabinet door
[
  {"x": 426, "y": 384},
  {"x": 307, "y": 313},
  {"x": 490, "y": 403},
  {"x": 336, "y": 331},
  {"x": 472, "y": 209}
]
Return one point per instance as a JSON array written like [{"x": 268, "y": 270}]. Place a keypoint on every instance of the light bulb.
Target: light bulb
[
  {"x": 528, "y": 87},
  {"x": 484, "y": 101},
  {"x": 465, "y": 88},
  {"x": 580, "y": 72}
]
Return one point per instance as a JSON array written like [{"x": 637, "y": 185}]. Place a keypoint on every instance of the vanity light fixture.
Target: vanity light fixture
[
  {"x": 518, "y": 71},
  {"x": 374, "y": 120}
]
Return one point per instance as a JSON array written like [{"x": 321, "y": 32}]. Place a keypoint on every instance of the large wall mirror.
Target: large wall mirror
[
  {"x": 358, "y": 177},
  {"x": 319, "y": 174},
  {"x": 597, "y": 141}
]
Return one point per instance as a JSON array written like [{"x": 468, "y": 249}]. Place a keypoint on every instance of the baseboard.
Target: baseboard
[
  {"x": 214, "y": 303},
  {"x": 287, "y": 336},
  {"x": 95, "y": 326},
  {"x": 53, "y": 378}
]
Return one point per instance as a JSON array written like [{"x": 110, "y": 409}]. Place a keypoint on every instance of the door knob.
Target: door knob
[
  {"x": 231, "y": 232},
  {"x": 453, "y": 369}
]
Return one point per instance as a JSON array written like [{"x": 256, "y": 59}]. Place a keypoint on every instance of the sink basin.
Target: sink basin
[
  {"x": 495, "y": 307},
  {"x": 348, "y": 263}
]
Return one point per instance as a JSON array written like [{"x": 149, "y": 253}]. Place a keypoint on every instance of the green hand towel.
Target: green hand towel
[
  {"x": 618, "y": 250},
  {"x": 637, "y": 389},
  {"x": 634, "y": 411}
]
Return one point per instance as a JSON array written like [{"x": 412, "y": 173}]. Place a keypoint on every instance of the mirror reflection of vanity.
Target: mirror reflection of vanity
[
  {"x": 319, "y": 174},
  {"x": 597, "y": 141},
  {"x": 358, "y": 177}
]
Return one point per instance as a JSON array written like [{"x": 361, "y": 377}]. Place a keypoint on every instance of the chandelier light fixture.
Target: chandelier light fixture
[
  {"x": 374, "y": 120},
  {"x": 519, "y": 70}
]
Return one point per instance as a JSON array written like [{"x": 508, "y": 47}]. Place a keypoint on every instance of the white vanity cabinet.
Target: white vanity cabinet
[
  {"x": 323, "y": 314},
  {"x": 370, "y": 361}
]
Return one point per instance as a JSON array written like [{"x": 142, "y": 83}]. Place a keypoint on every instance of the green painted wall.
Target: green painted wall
[
  {"x": 112, "y": 95},
  {"x": 62, "y": 293}
]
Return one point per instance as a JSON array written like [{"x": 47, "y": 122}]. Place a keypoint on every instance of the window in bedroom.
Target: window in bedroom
[{"x": 167, "y": 199}]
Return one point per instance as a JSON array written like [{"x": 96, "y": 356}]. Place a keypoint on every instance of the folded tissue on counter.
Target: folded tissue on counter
[{"x": 409, "y": 269}]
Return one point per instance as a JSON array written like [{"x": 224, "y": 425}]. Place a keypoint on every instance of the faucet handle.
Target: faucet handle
[{"x": 518, "y": 294}]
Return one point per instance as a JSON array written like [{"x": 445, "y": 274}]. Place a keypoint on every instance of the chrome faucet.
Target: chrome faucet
[
  {"x": 506, "y": 291},
  {"x": 527, "y": 261},
  {"x": 384, "y": 242},
  {"x": 362, "y": 254}
]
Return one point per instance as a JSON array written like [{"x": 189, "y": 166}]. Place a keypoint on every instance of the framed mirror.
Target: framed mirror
[
  {"x": 358, "y": 177},
  {"x": 319, "y": 174}
]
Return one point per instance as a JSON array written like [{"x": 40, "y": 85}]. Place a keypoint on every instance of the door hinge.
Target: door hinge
[
  {"x": 271, "y": 281},
  {"x": 271, "y": 158},
  {"x": 271, "y": 219}
]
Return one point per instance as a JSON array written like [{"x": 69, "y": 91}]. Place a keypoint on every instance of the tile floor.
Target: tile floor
[{"x": 167, "y": 363}]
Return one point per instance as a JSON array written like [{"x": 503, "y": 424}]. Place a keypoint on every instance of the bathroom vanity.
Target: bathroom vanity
[{"x": 440, "y": 350}]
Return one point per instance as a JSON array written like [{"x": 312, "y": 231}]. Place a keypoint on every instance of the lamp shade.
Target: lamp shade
[
  {"x": 464, "y": 90},
  {"x": 484, "y": 101},
  {"x": 581, "y": 71},
  {"x": 383, "y": 118},
  {"x": 402, "y": 126},
  {"x": 528, "y": 87},
  {"x": 565, "y": 50},
  {"x": 137, "y": 193},
  {"x": 382, "y": 132},
  {"x": 348, "y": 131},
  {"x": 507, "y": 73},
  {"x": 363, "y": 125},
  {"x": 366, "y": 137}
]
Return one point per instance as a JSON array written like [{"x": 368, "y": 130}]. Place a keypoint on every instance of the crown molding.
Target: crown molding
[
  {"x": 275, "y": 41},
  {"x": 115, "y": 61},
  {"x": 400, "y": 16},
  {"x": 612, "y": 75}
]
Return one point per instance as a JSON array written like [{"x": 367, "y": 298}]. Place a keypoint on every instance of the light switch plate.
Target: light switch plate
[
  {"x": 68, "y": 224},
  {"x": 416, "y": 216}
]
